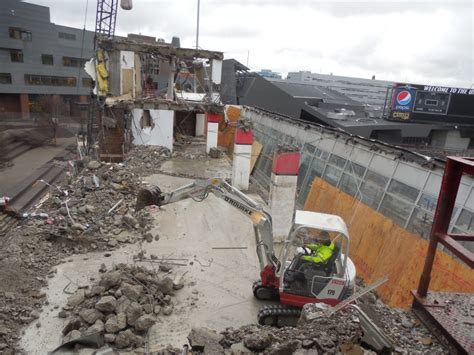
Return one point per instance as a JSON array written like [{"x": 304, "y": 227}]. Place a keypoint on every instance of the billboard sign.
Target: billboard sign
[
  {"x": 402, "y": 102},
  {"x": 404, "y": 99}
]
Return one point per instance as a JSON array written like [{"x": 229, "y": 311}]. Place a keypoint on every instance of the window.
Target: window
[
  {"x": 337, "y": 161},
  {"x": 16, "y": 56},
  {"x": 348, "y": 184},
  {"x": 316, "y": 170},
  {"x": 428, "y": 202},
  {"x": 73, "y": 62},
  {"x": 67, "y": 36},
  {"x": 47, "y": 59},
  {"x": 304, "y": 166},
  {"x": 49, "y": 80},
  {"x": 400, "y": 189},
  {"x": 324, "y": 155},
  {"x": 372, "y": 188},
  {"x": 5, "y": 78},
  {"x": 466, "y": 220},
  {"x": 421, "y": 222},
  {"x": 87, "y": 82},
  {"x": 395, "y": 209},
  {"x": 332, "y": 175},
  {"x": 18, "y": 33},
  {"x": 468, "y": 245},
  {"x": 355, "y": 169}
]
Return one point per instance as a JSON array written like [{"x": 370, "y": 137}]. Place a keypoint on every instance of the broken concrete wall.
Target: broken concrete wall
[
  {"x": 112, "y": 145},
  {"x": 153, "y": 127}
]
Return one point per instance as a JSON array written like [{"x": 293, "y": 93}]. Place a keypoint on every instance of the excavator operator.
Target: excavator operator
[{"x": 321, "y": 251}]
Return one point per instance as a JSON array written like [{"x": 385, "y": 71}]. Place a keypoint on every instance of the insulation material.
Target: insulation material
[
  {"x": 89, "y": 68},
  {"x": 227, "y": 129},
  {"x": 216, "y": 73},
  {"x": 102, "y": 74},
  {"x": 380, "y": 247}
]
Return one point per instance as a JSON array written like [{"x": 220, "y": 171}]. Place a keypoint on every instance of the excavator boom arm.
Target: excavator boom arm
[{"x": 198, "y": 190}]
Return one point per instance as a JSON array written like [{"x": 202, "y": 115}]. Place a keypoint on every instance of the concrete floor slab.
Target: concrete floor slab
[
  {"x": 209, "y": 168},
  {"x": 218, "y": 283}
]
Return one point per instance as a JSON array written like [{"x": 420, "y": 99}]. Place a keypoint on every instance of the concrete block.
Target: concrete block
[
  {"x": 200, "y": 124},
  {"x": 212, "y": 130},
  {"x": 241, "y": 166},
  {"x": 282, "y": 204}
]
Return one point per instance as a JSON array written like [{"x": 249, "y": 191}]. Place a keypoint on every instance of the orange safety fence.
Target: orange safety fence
[{"x": 380, "y": 247}]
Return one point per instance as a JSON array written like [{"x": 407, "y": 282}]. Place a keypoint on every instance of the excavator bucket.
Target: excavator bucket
[{"x": 148, "y": 196}]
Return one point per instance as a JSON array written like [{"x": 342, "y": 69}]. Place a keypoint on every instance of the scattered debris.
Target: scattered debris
[
  {"x": 83, "y": 214},
  {"x": 337, "y": 333}
]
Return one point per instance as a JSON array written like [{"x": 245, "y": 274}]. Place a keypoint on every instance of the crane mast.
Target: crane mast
[{"x": 105, "y": 19}]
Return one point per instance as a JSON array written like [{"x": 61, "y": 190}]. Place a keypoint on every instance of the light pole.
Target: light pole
[{"x": 197, "y": 25}]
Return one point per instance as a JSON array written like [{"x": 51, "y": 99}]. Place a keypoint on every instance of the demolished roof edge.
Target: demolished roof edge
[{"x": 419, "y": 158}]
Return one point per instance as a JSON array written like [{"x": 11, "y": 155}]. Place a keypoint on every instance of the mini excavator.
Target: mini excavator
[{"x": 290, "y": 279}]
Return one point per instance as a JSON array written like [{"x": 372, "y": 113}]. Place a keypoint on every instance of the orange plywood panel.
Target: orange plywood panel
[{"x": 256, "y": 150}]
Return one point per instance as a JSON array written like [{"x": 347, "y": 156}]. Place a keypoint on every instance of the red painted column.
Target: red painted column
[
  {"x": 213, "y": 120},
  {"x": 242, "y": 157}
]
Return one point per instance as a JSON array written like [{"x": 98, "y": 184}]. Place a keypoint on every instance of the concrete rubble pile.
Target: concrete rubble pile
[
  {"x": 182, "y": 145},
  {"x": 94, "y": 211},
  {"x": 146, "y": 159},
  {"x": 316, "y": 333},
  {"x": 47, "y": 236},
  {"x": 123, "y": 305}
]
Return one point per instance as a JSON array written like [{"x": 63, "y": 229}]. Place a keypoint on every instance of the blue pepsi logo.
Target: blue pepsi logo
[{"x": 404, "y": 98}]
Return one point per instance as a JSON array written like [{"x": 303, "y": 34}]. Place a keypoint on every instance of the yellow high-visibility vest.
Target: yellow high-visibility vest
[{"x": 322, "y": 253}]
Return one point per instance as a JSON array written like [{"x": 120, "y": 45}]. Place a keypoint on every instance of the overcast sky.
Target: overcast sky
[{"x": 427, "y": 42}]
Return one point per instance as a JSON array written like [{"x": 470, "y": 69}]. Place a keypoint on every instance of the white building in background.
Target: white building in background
[{"x": 367, "y": 91}]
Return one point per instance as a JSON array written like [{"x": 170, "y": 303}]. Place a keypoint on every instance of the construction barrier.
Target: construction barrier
[{"x": 380, "y": 247}]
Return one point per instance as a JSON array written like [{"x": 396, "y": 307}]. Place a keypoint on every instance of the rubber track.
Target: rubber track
[{"x": 277, "y": 310}]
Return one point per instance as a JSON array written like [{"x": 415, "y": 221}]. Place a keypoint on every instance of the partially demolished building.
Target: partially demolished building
[{"x": 150, "y": 92}]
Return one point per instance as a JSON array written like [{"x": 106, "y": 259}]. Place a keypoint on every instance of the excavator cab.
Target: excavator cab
[{"x": 308, "y": 276}]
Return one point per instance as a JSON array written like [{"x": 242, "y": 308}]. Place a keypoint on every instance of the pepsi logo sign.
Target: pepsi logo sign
[{"x": 404, "y": 97}]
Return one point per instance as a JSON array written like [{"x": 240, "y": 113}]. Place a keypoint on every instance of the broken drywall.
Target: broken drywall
[{"x": 153, "y": 127}]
